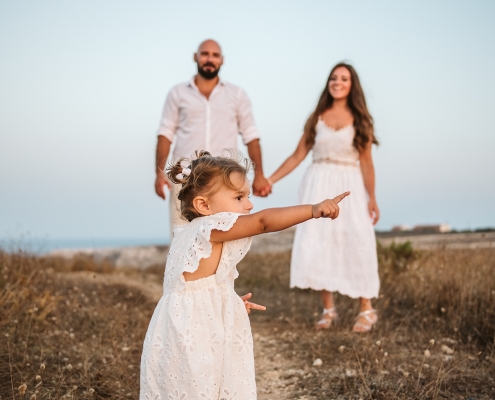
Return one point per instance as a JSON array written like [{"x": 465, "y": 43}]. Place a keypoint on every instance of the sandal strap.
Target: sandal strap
[
  {"x": 324, "y": 322},
  {"x": 367, "y": 312},
  {"x": 367, "y": 328},
  {"x": 331, "y": 312},
  {"x": 366, "y": 316}
]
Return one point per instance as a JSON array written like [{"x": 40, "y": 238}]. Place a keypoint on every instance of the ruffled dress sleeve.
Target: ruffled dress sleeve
[
  {"x": 192, "y": 243},
  {"x": 200, "y": 246}
]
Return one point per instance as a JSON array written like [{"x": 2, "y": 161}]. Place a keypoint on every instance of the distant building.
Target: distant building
[
  {"x": 401, "y": 228},
  {"x": 442, "y": 228}
]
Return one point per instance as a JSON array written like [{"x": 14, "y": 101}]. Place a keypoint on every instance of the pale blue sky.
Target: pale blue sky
[{"x": 83, "y": 84}]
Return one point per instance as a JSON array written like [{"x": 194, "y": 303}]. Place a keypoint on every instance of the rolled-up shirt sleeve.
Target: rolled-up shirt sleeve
[
  {"x": 245, "y": 118},
  {"x": 170, "y": 116}
]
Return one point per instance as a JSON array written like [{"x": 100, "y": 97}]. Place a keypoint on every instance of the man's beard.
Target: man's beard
[{"x": 208, "y": 74}]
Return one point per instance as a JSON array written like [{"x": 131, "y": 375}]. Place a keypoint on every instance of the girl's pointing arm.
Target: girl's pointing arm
[{"x": 277, "y": 219}]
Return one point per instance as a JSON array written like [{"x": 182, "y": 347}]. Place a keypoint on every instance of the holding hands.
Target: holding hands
[{"x": 261, "y": 186}]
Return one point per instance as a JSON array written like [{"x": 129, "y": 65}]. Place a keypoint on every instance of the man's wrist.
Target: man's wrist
[{"x": 258, "y": 172}]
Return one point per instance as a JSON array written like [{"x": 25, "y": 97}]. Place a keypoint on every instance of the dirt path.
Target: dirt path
[{"x": 275, "y": 375}]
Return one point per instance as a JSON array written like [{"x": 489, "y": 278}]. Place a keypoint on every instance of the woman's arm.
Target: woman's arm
[
  {"x": 277, "y": 219},
  {"x": 292, "y": 161},
  {"x": 368, "y": 171}
]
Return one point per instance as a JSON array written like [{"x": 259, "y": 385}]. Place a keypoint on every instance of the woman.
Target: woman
[{"x": 340, "y": 256}]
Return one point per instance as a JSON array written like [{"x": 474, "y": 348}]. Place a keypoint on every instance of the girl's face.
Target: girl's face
[
  {"x": 226, "y": 199},
  {"x": 340, "y": 83}
]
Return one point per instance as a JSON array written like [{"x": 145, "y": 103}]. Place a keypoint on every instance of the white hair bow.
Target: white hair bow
[{"x": 185, "y": 172}]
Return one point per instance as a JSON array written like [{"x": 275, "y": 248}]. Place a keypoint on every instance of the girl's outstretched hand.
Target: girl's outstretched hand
[
  {"x": 329, "y": 208},
  {"x": 250, "y": 305}
]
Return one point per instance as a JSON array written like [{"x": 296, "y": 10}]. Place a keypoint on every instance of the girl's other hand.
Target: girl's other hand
[
  {"x": 374, "y": 211},
  {"x": 251, "y": 306},
  {"x": 329, "y": 208}
]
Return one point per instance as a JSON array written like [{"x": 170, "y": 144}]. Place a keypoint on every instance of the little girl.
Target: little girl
[{"x": 199, "y": 343}]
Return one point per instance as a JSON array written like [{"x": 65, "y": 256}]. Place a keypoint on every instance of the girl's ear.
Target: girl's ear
[{"x": 200, "y": 204}]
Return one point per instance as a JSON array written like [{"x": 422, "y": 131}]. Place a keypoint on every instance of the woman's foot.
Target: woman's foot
[
  {"x": 327, "y": 317},
  {"x": 365, "y": 321}
]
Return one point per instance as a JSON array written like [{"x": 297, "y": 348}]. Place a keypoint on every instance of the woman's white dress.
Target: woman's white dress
[
  {"x": 338, "y": 255},
  {"x": 199, "y": 343}
]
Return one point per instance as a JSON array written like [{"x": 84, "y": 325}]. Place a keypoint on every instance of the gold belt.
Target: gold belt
[{"x": 333, "y": 161}]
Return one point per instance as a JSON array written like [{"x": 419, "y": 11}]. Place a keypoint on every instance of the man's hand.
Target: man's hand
[
  {"x": 251, "y": 306},
  {"x": 261, "y": 186},
  {"x": 160, "y": 183},
  {"x": 329, "y": 208}
]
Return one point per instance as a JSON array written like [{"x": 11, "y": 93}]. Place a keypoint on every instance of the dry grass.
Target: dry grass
[
  {"x": 447, "y": 296},
  {"x": 88, "y": 335},
  {"x": 66, "y": 339}
]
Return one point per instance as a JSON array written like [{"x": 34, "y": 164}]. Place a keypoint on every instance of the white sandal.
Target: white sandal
[
  {"x": 366, "y": 327},
  {"x": 325, "y": 323}
]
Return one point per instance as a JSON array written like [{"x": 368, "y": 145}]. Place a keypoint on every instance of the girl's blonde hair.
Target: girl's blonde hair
[{"x": 205, "y": 173}]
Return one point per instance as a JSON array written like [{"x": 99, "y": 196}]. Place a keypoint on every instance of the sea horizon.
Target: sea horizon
[{"x": 44, "y": 245}]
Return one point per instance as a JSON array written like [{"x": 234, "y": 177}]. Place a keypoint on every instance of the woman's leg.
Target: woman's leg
[
  {"x": 365, "y": 304},
  {"x": 329, "y": 314},
  {"x": 367, "y": 316},
  {"x": 327, "y": 299}
]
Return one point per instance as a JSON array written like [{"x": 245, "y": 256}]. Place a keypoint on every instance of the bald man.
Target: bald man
[{"x": 206, "y": 113}]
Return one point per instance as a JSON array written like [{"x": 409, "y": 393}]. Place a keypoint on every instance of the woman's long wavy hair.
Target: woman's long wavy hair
[{"x": 363, "y": 122}]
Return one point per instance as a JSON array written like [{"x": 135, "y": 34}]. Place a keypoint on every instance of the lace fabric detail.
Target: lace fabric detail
[
  {"x": 199, "y": 342},
  {"x": 328, "y": 160},
  {"x": 192, "y": 243},
  {"x": 334, "y": 145},
  {"x": 341, "y": 255}
]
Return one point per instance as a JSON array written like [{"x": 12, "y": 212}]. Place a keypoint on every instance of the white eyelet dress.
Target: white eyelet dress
[
  {"x": 338, "y": 255},
  {"x": 199, "y": 343}
]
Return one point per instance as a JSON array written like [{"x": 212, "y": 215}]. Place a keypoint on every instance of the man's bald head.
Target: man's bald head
[
  {"x": 210, "y": 45},
  {"x": 209, "y": 59}
]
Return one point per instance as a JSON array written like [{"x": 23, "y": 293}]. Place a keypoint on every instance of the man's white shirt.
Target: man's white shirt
[{"x": 194, "y": 122}]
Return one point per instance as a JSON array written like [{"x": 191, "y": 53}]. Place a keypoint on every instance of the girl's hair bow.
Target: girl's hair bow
[{"x": 185, "y": 172}]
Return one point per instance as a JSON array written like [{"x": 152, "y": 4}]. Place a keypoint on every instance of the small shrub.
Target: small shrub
[{"x": 397, "y": 257}]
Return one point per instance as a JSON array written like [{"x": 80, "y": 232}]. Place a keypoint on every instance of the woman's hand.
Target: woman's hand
[
  {"x": 329, "y": 208},
  {"x": 251, "y": 306},
  {"x": 374, "y": 211}
]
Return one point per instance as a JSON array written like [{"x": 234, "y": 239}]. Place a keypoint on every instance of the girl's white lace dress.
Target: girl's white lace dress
[
  {"x": 338, "y": 255},
  {"x": 199, "y": 343}
]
